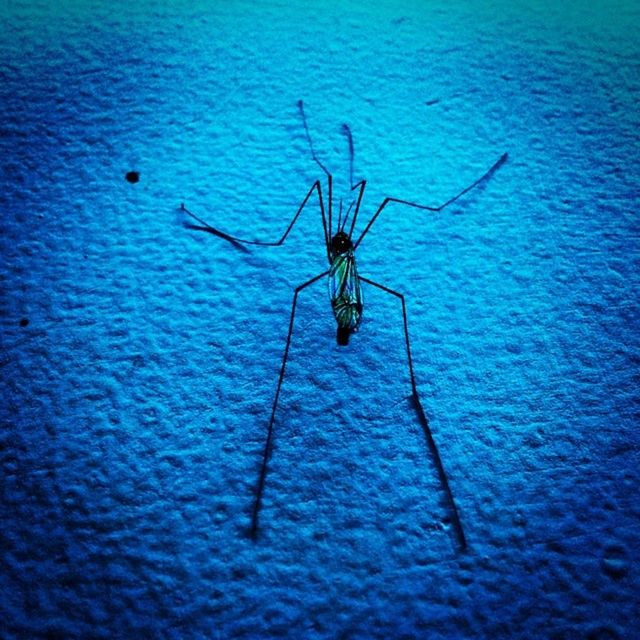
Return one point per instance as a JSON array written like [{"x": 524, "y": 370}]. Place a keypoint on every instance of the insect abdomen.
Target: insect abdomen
[
  {"x": 345, "y": 294},
  {"x": 347, "y": 313}
]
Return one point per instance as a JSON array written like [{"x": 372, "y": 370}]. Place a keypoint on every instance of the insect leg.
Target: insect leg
[
  {"x": 457, "y": 523},
  {"x": 306, "y": 128},
  {"x": 362, "y": 184},
  {"x": 317, "y": 161},
  {"x": 240, "y": 241},
  {"x": 496, "y": 165},
  {"x": 267, "y": 448},
  {"x": 347, "y": 132}
]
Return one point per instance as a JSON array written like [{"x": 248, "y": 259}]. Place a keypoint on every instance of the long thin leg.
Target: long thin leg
[
  {"x": 347, "y": 132},
  {"x": 267, "y": 448},
  {"x": 315, "y": 157},
  {"x": 306, "y": 128},
  {"x": 487, "y": 174},
  {"x": 346, "y": 217},
  {"x": 362, "y": 184},
  {"x": 457, "y": 523},
  {"x": 240, "y": 241}
]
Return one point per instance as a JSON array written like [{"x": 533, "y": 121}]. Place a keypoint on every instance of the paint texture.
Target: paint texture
[{"x": 139, "y": 357}]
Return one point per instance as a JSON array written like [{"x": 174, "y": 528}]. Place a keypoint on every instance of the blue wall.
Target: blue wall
[{"x": 140, "y": 357}]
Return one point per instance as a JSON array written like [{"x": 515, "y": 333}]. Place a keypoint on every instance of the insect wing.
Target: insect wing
[
  {"x": 345, "y": 291},
  {"x": 343, "y": 279}
]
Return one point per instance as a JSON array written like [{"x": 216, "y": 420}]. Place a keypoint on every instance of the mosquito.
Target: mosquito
[{"x": 345, "y": 294}]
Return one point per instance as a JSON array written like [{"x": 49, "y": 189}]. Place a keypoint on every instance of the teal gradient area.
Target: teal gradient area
[{"x": 140, "y": 355}]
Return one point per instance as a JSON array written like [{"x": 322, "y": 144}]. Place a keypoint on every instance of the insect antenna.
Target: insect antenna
[{"x": 340, "y": 216}]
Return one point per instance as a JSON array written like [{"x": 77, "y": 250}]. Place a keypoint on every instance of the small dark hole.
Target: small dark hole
[
  {"x": 24, "y": 322},
  {"x": 132, "y": 177}
]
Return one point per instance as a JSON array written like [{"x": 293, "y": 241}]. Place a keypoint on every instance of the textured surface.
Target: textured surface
[{"x": 135, "y": 400}]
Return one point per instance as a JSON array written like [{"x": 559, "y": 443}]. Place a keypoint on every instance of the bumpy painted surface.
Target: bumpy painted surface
[{"x": 139, "y": 357}]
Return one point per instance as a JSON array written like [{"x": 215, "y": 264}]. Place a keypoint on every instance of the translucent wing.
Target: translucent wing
[{"x": 345, "y": 291}]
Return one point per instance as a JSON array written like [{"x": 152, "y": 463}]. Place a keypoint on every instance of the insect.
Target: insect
[{"x": 345, "y": 294}]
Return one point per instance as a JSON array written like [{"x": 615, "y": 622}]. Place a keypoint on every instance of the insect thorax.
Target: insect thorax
[{"x": 340, "y": 243}]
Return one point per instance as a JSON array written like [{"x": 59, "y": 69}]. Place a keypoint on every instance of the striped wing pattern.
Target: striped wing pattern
[{"x": 345, "y": 291}]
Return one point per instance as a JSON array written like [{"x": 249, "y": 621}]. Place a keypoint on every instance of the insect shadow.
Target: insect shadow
[{"x": 345, "y": 292}]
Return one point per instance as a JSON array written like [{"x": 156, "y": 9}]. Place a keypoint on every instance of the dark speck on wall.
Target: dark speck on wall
[
  {"x": 24, "y": 322},
  {"x": 132, "y": 177}
]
